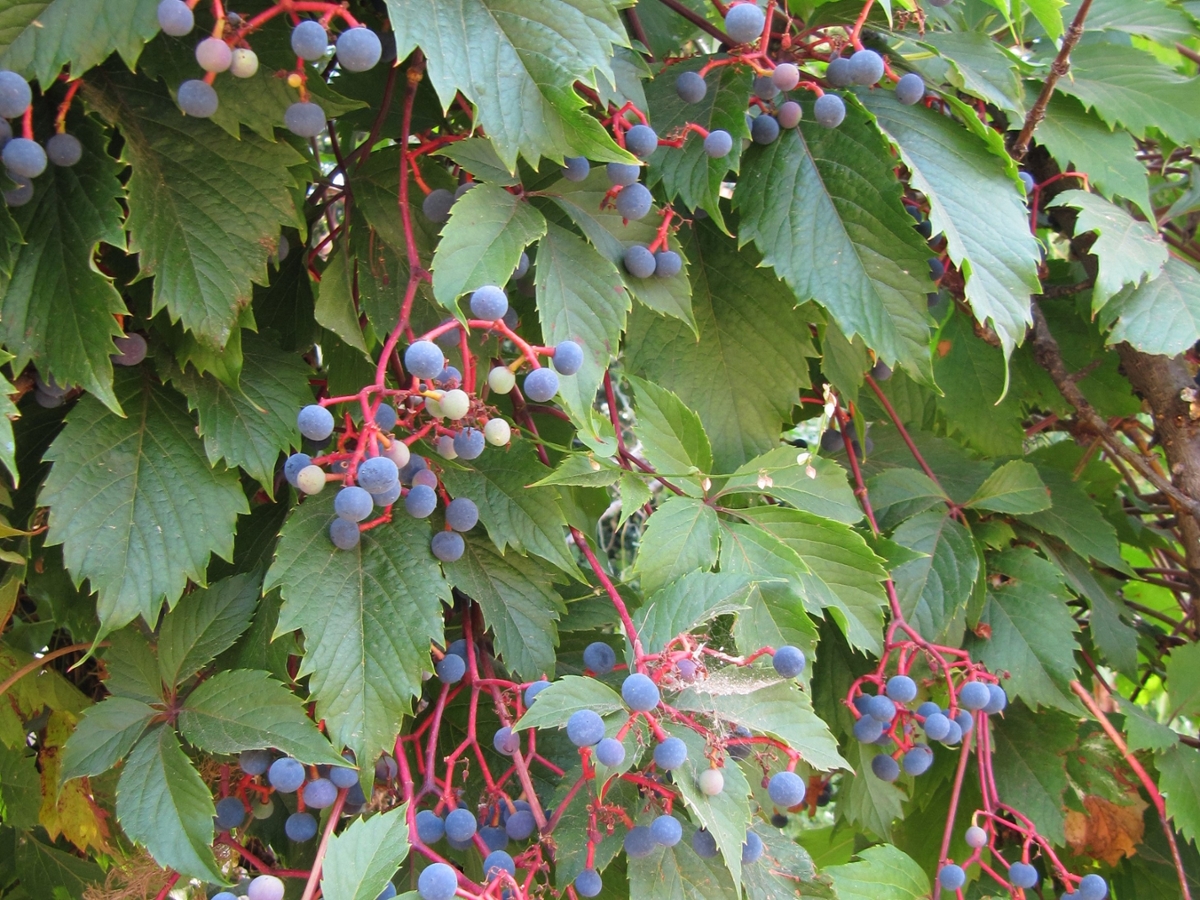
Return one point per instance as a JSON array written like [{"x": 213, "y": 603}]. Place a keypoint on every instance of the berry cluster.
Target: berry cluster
[
  {"x": 376, "y": 466},
  {"x": 24, "y": 158},
  {"x": 357, "y": 49}
]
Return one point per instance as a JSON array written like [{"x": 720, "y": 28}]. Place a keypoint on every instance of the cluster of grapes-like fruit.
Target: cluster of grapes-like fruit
[
  {"x": 24, "y": 158},
  {"x": 356, "y": 49},
  {"x": 375, "y": 464}
]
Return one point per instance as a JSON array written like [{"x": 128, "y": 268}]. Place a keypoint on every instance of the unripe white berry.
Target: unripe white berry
[
  {"x": 711, "y": 782},
  {"x": 501, "y": 380},
  {"x": 497, "y": 432}
]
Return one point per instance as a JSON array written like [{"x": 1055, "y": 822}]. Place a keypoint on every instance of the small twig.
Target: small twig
[
  {"x": 635, "y": 25},
  {"x": 699, "y": 21},
  {"x": 36, "y": 664},
  {"x": 1059, "y": 68},
  {"x": 314, "y": 877}
]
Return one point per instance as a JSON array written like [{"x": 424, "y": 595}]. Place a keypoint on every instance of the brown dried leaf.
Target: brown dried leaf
[{"x": 1107, "y": 831}]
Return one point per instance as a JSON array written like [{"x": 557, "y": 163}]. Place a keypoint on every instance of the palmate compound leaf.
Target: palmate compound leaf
[
  {"x": 517, "y": 597},
  {"x": 163, "y": 804},
  {"x": 743, "y": 376},
  {"x": 205, "y": 623},
  {"x": 134, "y": 501},
  {"x": 975, "y": 202},
  {"x": 1129, "y": 252},
  {"x": 205, "y": 209},
  {"x": 1161, "y": 316},
  {"x": 363, "y": 858},
  {"x": 516, "y": 63},
  {"x": 252, "y": 425},
  {"x": 482, "y": 242},
  {"x": 57, "y": 309},
  {"x": 37, "y": 39},
  {"x": 823, "y": 206},
  {"x": 368, "y": 616},
  {"x": 105, "y": 734}
]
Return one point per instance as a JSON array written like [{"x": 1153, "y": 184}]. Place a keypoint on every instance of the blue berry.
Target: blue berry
[
  {"x": 430, "y": 827},
  {"x": 786, "y": 789},
  {"x": 24, "y": 157},
  {"x": 1028, "y": 181},
  {"x": 377, "y": 474},
  {"x": 638, "y": 842},
  {"x": 293, "y": 465},
  {"x": 744, "y": 23},
  {"x": 469, "y": 443},
  {"x": 666, "y": 830},
  {"x": 704, "y": 844},
  {"x": 918, "y": 760},
  {"x": 421, "y": 501},
  {"x": 309, "y": 40},
  {"x": 937, "y": 268},
  {"x": 533, "y": 690},
  {"x": 358, "y": 49},
  {"x": 882, "y": 708},
  {"x": 670, "y": 754},
  {"x": 867, "y": 730},
  {"x": 927, "y": 709},
  {"x": 739, "y": 751},
  {"x": 752, "y": 849},
  {"x": 585, "y": 728},
  {"x": 450, "y": 669},
  {"x": 286, "y": 775},
  {"x": 965, "y": 721},
  {"x": 315, "y": 422},
  {"x": 633, "y": 202},
  {"x": 885, "y": 768},
  {"x": 788, "y": 661},
  {"x": 641, "y": 140},
  {"x": 424, "y": 359},
  {"x": 460, "y": 825},
  {"x": 576, "y": 168},
  {"x": 568, "y": 358},
  {"x": 951, "y": 877},
  {"x": 304, "y": 119},
  {"x": 493, "y": 838},
  {"x": 231, "y": 813},
  {"x": 265, "y": 887},
  {"x": 344, "y": 534},
  {"x": 449, "y": 378},
  {"x": 254, "y": 762},
  {"x": 588, "y": 883},
  {"x": 691, "y": 87},
  {"x": 1023, "y": 875},
  {"x": 910, "y": 89},
  {"x": 388, "y": 892},
  {"x": 436, "y": 208},
  {"x": 937, "y": 726},
  {"x": 353, "y": 504},
  {"x": 765, "y": 88},
  {"x": 1092, "y": 887},
  {"x": 437, "y": 882},
  {"x": 639, "y": 261},
  {"x": 386, "y": 769},
  {"x": 973, "y": 695},
  {"x": 639, "y": 692},
  {"x": 520, "y": 825},
  {"x": 461, "y": 513},
  {"x": 789, "y": 114},
  {"x": 300, "y": 827},
  {"x": 610, "y": 752},
  {"x": 997, "y": 700},
  {"x": 866, "y": 67},
  {"x": 320, "y": 793},
  {"x": 954, "y": 735},
  {"x": 541, "y": 385},
  {"x": 599, "y": 657},
  {"x": 764, "y": 129},
  {"x": 505, "y": 741},
  {"x": 387, "y": 497},
  {"x": 718, "y": 143},
  {"x": 174, "y": 18},
  {"x": 489, "y": 302},
  {"x": 901, "y": 688},
  {"x": 343, "y": 777},
  {"x": 623, "y": 174},
  {"x": 829, "y": 110},
  {"x": 496, "y": 862},
  {"x": 667, "y": 264},
  {"x": 64, "y": 149}
]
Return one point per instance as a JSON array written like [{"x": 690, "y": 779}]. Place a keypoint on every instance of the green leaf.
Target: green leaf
[
  {"x": 205, "y": 209},
  {"x": 873, "y": 804},
  {"x": 58, "y": 309},
  {"x": 977, "y": 372},
  {"x": 1078, "y": 139},
  {"x": 1179, "y": 781},
  {"x": 1143, "y": 732},
  {"x": 580, "y": 297},
  {"x": 741, "y": 378},
  {"x": 1129, "y": 88},
  {"x": 672, "y": 436},
  {"x": 900, "y": 493},
  {"x": 1049, "y": 16},
  {"x": 478, "y": 156},
  {"x": 1160, "y": 317},
  {"x": 363, "y": 858},
  {"x": 583, "y": 470},
  {"x": 683, "y": 535},
  {"x": 20, "y": 786},
  {"x": 881, "y": 873},
  {"x": 38, "y": 38},
  {"x": 1183, "y": 681},
  {"x": 768, "y": 706},
  {"x": 974, "y": 202},
  {"x": 1074, "y": 519},
  {"x": 1129, "y": 252},
  {"x": 823, "y": 206},
  {"x": 691, "y": 601},
  {"x": 516, "y": 69},
  {"x": 1029, "y": 763},
  {"x": 132, "y": 667},
  {"x": 934, "y": 590},
  {"x": 335, "y": 308},
  {"x": 635, "y": 494},
  {"x": 688, "y": 173},
  {"x": 528, "y": 519},
  {"x": 846, "y": 575},
  {"x": 568, "y": 695},
  {"x": 163, "y": 804},
  {"x": 368, "y": 617},
  {"x": 818, "y": 485},
  {"x": 516, "y": 594},
  {"x": 251, "y": 426},
  {"x": 105, "y": 734},
  {"x": 677, "y": 873},
  {"x": 243, "y": 709},
  {"x": 981, "y": 66},
  {"x": 46, "y": 871},
  {"x": 1032, "y": 631},
  {"x": 482, "y": 242},
  {"x": 1013, "y": 488},
  {"x": 134, "y": 502}
]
